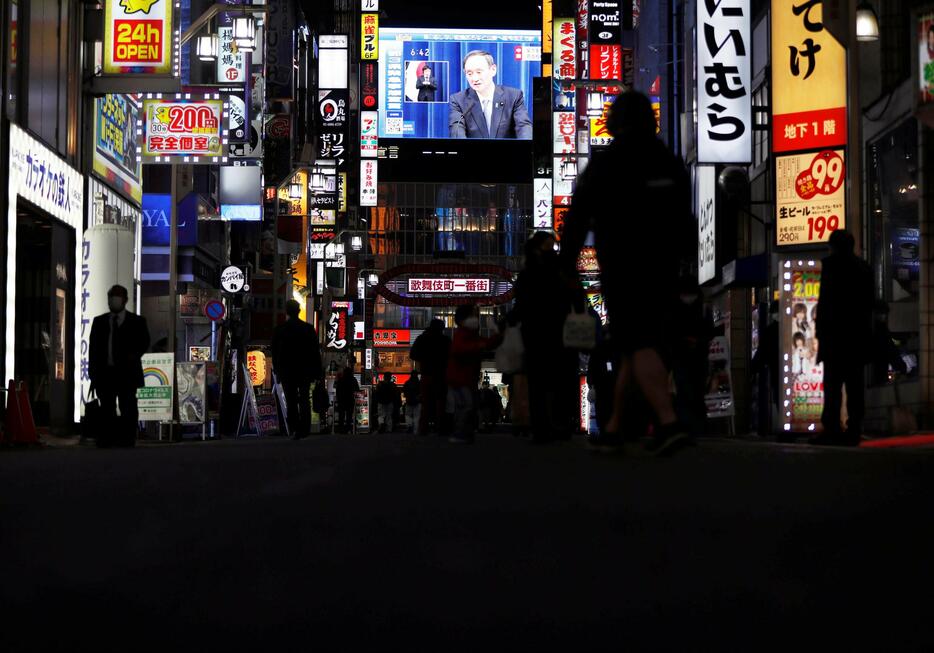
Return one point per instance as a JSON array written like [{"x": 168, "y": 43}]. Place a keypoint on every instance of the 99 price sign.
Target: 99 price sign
[{"x": 810, "y": 196}]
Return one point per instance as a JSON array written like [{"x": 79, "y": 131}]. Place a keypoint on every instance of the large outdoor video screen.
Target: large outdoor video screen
[{"x": 456, "y": 83}]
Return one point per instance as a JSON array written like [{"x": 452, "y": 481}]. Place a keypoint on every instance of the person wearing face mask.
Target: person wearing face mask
[
  {"x": 543, "y": 301},
  {"x": 463, "y": 373},
  {"x": 118, "y": 341}
]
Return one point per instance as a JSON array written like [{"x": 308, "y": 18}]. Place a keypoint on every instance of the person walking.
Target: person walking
[
  {"x": 844, "y": 335},
  {"x": 412, "y": 389},
  {"x": 387, "y": 397},
  {"x": 118, "y": 341},
  {"x": 646, "y": 238},
  {"x": 543, "y": 301},
  {"x": 430, "y": 350},
  {"x": 491, "y": 406},
  {"x": 693, "y": 333},
  {"x": 346, "y": 389},
  {"x": 463, "y": 373},
  {"x": 296, "y": 359}
]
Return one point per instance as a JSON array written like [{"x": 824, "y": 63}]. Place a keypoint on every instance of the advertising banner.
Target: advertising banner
[
  {"x": 280, "y": 47},
  {"x": 155, "y": 398},
  {"x": 449, "y": 286},
  {"x": 392, "y": 337},
  {"x": 116, "y": 148},
  {"x": 231, "y": 66},
  {"x": 706, "y": 212},
  {"x": 810, "y": 196},
  {"x": 803, "y": 384},
  {"x": 368, "y": 180},
  {"x": 268, "y": 414},
  {"x": 719, "y": 392},
  {"x": 138, "y": 36},
  {"x": 565, "y": 44},
  {"x": 808, "y": 79},
  {"x": 605, "y": 22},
  {"x": 369, "y": 85},
  {"x": 362, "y": 414},
  {"x": 606, "y": 62},
  {"x": 724, "y": 91},
  {"x": 191, "y": 392},
  {"x": 924, "y": 80},
  {"x": 599, "y": 132},
  {"x": 192, "y": 128}
]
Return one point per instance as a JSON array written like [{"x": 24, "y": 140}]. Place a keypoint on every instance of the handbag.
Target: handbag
[
  {"x": 92, "y": 423},
  {"x": 580, "y": 331},
  {"x": 510, "y": 353}
]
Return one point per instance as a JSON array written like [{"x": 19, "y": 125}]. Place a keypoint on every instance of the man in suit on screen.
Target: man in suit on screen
[{"x": 485, "y": 109}]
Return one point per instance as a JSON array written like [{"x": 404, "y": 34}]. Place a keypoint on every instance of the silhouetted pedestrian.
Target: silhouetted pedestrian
[
  {"x": 346, "y": 389},
  {"x": 463, "y": 373},
  {"x": 296, "y": 359},
  {"x": 636, "y": 198},
  {"x": 412, "y": 389},
  {"x": 430, "y": 350},
  {"x": 491, "y": 406},
  {"x": 118, "y": 341},
  {"x": 844, "y": 337},
  {"x": 387, "y": 398},
  {"x": 543, "y": 301},
  {"x": 693, "y": 332}
]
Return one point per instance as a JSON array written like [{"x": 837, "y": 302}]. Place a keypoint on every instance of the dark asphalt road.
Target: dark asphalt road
[{"x": 390, "y": 542}]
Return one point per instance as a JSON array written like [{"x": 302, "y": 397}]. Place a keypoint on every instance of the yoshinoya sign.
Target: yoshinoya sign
[
  {"x": 706, "y": 211},
  {"x": 392, "y": 337},
  {"x": 138, "y": 36},
  {"x": 449, "y": 286},
  {"x": 184, "y": 128},
  {"x": 724, "y": 69}
]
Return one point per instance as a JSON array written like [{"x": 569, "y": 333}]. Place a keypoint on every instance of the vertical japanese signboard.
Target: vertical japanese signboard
[
  {"x": 706, "y": 210},
  {"x": 280, "y": 49},
  {"x": 368, "y": 182},
  {"x": 542, "y": 190},
  {"x": 604, "y": 34},
  {"x": 138, "y": 36},
  {"x": 809, "y": 196},
  {"x": 231, "y": 66},
  {"x": 565, "y": 45},
  {"x": 369, "y": 37},
  {"x": 336, "y": 334},
  {"x": 803, "y": 377},
  {"x": 565, "y": 132},
  {"x": 724, "y": 67},
  {"x": 924, "y": 98},
  {"x": 333, "y": 111},
  {"x": 808, "y": 79}
]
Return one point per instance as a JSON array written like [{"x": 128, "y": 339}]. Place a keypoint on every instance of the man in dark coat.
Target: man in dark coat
[
  {"x": 346, "y": 389},
  {"x": 430, "y": 350},
  {"x": 844, "y": 337},
  {"x": 296, "y": 359},
  {"x": 117, "y": 344}
]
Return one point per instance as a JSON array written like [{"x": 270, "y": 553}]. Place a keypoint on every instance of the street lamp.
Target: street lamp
[
  {"x": 295, "y": 190},
  {"x": 317, "y": 181},
  {"x": 594, "y": 104},
  {"x": 356, "y": 243},
  {"x": 244, "y": 33},
  {"x": 867, "y": 24},
  {"x": 207, "y": 47}
]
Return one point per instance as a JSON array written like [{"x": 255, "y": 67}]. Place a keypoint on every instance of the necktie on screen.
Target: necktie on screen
[
  {"x": 488, "y": 114},
  {"x": 113, "y": 340}
]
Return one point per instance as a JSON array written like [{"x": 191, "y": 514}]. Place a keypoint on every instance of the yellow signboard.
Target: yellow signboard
[
  {"x": 138, "y": 36},
  {"x": 369, "y": 37},
  {"x": 546, "y": 26},
  {"x": 810, "y": 196},
  {"x": 256, "y": 365},
  {"x": 808, "y": 79}
]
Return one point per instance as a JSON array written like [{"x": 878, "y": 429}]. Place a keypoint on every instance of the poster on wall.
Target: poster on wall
[
  {"x": 362, "y": 415},
  {"x": 116, "y": 149},
  {"x": 138, "y": 36},
  {"x": 190, "y": 128},
  {"x": 924, "y": 80},
  {"x": 155, "y": 397},
  {"x": 718, "y": 394},
  {"x": 810, "y": 196},
  {"x": 190, "y": 389},
  {"x": 808, "y": 79},
  {"x": 803, "y": 378}
]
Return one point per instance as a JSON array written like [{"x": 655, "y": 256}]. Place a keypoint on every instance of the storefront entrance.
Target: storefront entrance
[{"x": 44, "y": 327}]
